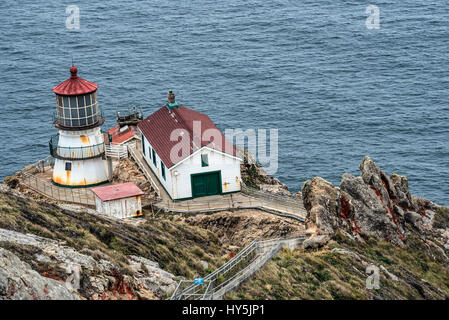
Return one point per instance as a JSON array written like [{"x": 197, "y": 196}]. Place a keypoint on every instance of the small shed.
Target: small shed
[{"x": 119, "y": 200}]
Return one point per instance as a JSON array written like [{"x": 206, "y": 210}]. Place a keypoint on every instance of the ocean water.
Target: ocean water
[{"x": 336, "y": 90}]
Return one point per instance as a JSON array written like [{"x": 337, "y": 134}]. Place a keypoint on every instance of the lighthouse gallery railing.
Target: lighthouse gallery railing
[{"x": 75, "y": 153}]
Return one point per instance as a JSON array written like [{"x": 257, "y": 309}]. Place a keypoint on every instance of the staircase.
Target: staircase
[
  {"x": 230, "y": 275},
  {"x": 137, "y": 156}
]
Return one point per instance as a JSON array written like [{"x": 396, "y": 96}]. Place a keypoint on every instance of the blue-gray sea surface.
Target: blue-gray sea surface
[{"x": 336, "y": 90}]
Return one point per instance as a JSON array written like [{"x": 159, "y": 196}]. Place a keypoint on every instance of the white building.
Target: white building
[
  {"x": 78, "y": 148},
  {"x": 188, "y": 154},
  {"x": 119, "y": 200}
]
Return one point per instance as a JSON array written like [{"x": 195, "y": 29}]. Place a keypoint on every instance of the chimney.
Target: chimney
[{"x": 171, "y": 100}]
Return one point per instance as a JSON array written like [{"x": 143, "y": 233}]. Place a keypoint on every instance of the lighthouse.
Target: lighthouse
[{"x": 78, "y": 148}]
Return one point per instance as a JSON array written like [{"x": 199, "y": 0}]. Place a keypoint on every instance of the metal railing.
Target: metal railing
[
  {"x": 256, "y": 193},
  {"x": 281, "y": 209},
  {"x": 284, "y": 206},
  {"x": 40, "y": 165},
  {"x": 238, "y": 269},
  {"x": 72, "y": 195},
  {"x": 116, "y": 151},
  {"x": 75, "y": 153}
]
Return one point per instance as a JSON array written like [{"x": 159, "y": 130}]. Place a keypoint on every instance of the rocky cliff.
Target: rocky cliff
[
  {"x": 55, "y": 251},
  {"x": 61, "y": 251},
  {"x": 50, "y": 251},
  {"x": 372, "y": 204},
  {"x": 368, "y": 224}
]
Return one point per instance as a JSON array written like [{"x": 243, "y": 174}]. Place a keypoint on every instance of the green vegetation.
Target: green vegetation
[
  {"x": 328, "y": 274},
  {"x": 441, "y": 219},
  {"x": 177, "y": 247}
]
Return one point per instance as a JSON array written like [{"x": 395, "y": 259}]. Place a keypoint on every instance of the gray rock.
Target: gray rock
[
  {"x": 368, "y": 214},
  {"x": 413, "y": 218},
  {"x": 376, "y": 178},
  {"x": 277, "y": 189},
  {"x": 422, "y": 204},
  {"x": 19, "y": 282},
  {"x": 204, "y": 264},
  {"x": 347, "y": 253},
  {"x": 99, "y": 276},
  {"x": 402, "y": 192},
  {"x": 151, "y": 277},
  {"x": 428, "y": 217},
  {"x": 438, "y": 248},
  {"x": 371, "y": 204},
  {"x": 446, "y": 245},
  {"x": 315, "y": 242},
  {"x": 321, "y": 200},
  {"x": 392, "y": 276}
]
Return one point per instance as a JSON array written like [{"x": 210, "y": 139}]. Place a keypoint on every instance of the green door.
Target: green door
[{"x": 206, "y": 184}]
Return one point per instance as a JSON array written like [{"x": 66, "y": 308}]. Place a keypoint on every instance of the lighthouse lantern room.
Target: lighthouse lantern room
[{"x": 78, "y": 149}]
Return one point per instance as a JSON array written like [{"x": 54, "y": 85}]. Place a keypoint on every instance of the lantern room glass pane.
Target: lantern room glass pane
[
  {"x": 60, "y": 112},
  {"x": 74, "y": 113},
  {"x": 81, "y": 101},
  {"x": 88, "y": 102},
  {"x": 72, "y": 102},
  {"x": 82, "y": 112},
  {"x": 66, "y": 102}
]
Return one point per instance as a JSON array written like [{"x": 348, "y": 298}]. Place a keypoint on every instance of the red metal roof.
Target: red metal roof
[
  {"x": 117, "y": 191},
  {"x": 121, "y": 137},
  {"x": 75, "y": 85},
  {"x": 158, "y": 127}
]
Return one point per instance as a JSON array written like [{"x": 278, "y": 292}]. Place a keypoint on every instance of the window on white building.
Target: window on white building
[
  {"x": 163, "y": 170},
  {"x": 154, "y": 158},
  {"x": 204, "y": 160}
]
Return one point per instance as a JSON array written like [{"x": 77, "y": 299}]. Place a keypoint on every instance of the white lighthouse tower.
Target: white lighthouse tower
[{"x": 78, "y": 149}]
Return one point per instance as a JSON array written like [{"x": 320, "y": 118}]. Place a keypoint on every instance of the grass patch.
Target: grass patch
[{"x": 441, "y": 219}]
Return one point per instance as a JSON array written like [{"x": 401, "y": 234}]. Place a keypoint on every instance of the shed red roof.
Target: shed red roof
[
  {"x": 75, "y": 85},
  {"x": 158, "y": 127},
  {"x": 117, "y": 191},
  {"x": 121, "y": 137}
]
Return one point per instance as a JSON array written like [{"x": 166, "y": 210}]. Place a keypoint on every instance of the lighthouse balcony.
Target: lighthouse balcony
[{"x": 75, "y": 153}]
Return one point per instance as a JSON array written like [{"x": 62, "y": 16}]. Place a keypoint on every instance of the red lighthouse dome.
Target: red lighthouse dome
[{"x": 75, "y": 85}]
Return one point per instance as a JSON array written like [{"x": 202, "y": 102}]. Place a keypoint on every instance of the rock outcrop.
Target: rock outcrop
[
  {"x": 70, "y": 274},
  {"x": 254, "y": 175},
  {"x": 18, "y": 281},
  {"x": 126, "y": 170},
  {"x": 240, "y": 228},
  {"x": 372, "y": 204},
  {"x": 315, "y": 242},
  {"x": 321, "y": 199},
  {"x": 94, "y": 257}
]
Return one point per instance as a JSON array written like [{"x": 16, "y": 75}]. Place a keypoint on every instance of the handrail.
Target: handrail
[
  {"x": 75, "y": 153},
  {"x": 78, "y": 195},
  {"x": 250, "y": 191},
  {"x": 265, "y": 250},
  {"x": 227, "y": 266},
  {"x": 116, "y": 151}
]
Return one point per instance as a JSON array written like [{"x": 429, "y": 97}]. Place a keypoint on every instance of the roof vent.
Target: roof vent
[{"x": 123, "y": 129}]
